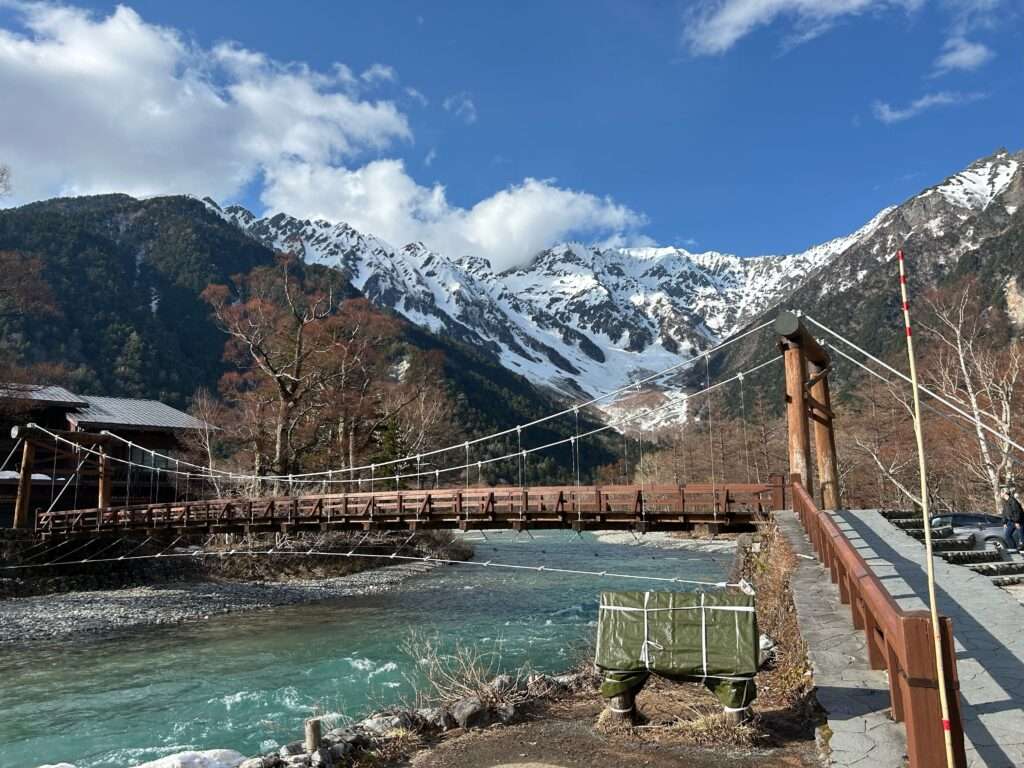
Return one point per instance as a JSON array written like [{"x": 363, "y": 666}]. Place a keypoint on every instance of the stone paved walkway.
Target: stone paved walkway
[
  {"x": 854, "y": 696},
  {"x": 988, "y": 625}
]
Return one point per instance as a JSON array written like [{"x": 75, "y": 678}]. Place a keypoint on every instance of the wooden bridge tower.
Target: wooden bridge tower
[{"x": 808, "y": 402}]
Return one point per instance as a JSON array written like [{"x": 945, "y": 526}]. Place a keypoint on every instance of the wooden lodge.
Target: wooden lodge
[{"x": 148, "y": 425}]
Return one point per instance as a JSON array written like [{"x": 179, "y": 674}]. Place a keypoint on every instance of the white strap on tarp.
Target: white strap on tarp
[
  {"x": 731, "y": 608},
  {"x": 645, "y": 648},
  {"x": 703, "y": 635}
]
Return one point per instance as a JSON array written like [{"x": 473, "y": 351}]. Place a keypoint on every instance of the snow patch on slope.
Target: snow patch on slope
[{"x": 978, "y": 185}]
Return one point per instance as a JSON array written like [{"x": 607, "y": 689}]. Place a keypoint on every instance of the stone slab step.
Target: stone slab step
[
  {"x": 945, "y": 533},
  {"x": 900, "y": 514},
  {"x": 909, "y": 524},
  {"x": 997, "y": 569},
  {"x": 955, "y": 544},
  {"x": 976, "y": 556},
  {"x": 1006, "y": 581}
]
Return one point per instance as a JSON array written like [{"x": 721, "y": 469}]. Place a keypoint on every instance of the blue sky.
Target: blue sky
[{"x": 749, "y": 126}]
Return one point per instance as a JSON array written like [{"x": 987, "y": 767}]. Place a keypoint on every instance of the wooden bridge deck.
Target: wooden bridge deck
[{"x": 722, "y": 507}]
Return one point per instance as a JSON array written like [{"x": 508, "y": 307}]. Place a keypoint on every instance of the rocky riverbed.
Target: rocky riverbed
[{"x": 110, "y": 612}]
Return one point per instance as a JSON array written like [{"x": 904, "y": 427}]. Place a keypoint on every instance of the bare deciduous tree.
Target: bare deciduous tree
[{"x": 980, "y": 375}]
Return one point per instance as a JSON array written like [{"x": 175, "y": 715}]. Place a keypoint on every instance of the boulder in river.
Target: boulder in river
[{"x": 381, "y": 724}]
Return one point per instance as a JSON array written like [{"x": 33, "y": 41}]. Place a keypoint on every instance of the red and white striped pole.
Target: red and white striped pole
[{"x": 932, "y": 606}]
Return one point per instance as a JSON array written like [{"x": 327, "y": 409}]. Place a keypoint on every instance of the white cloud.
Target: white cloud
[
  {"x": 430, "y": 158},
  {"x": 416, "y": 96},
  {"x": 714, "y": 26},
  {"x": 117, "y": 104},
  {"x": 112, "y": 103},
  {"x": 507, "y": 227},
  {"x": 379, "y": 73},
  {"x": 889, "y": 114},
  {"x": 960, "y": 53},
  {"x": 461, "y": 105}
]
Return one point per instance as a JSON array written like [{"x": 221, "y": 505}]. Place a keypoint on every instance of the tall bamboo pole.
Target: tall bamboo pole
[{"x": 932, "y": 606}]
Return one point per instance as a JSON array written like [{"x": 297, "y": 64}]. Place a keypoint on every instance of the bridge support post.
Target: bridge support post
[
  {"x": 824, "y": 438},
  {"x": 808, "y": 400},
  {"x": 796, "y": 413},
  {"x": 104, "y": 480},
  {"x": 21, "y": 504}
]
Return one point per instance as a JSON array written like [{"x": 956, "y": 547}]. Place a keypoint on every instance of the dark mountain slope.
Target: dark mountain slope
[{"x": 126, "y": 276}]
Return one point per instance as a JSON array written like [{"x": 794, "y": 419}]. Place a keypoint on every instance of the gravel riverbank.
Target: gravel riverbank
[{"x": 110, "y": 612}]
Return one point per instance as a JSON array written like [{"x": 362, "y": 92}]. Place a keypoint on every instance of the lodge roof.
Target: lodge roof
[
  {"x": 43, "y": 394},
  {"x": 130, "y": 413}
]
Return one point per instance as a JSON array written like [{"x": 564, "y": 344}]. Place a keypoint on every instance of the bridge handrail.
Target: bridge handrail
[
  {"x": 898, "y": 640},
  {"x": 614, "y": 503}
]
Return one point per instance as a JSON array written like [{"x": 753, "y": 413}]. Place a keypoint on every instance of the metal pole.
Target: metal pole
[{"x": 932, "y": 606}]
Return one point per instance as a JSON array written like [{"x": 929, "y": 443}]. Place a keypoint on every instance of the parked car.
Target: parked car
[{"x": 985, "y": 530}]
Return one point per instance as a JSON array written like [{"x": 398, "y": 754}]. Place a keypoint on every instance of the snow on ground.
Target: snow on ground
[{"x": 208, "y": 758}]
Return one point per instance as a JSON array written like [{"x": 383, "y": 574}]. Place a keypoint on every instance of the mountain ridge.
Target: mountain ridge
[{"x": 582, "y": 319}]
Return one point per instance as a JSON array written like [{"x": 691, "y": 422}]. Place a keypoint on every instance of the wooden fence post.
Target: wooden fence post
[
  {"x": 778, "y": 484},
  {"x": 926, "y": 744}
]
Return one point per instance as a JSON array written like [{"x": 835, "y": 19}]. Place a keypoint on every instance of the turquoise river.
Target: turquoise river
[{"x": 246, "y": 681}]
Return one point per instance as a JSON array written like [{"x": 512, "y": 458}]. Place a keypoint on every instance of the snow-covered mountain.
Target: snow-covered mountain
[{"x": 583, "y": 319}]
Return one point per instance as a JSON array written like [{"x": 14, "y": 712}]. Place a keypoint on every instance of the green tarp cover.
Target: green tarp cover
[{"x": 693, "y": 636}]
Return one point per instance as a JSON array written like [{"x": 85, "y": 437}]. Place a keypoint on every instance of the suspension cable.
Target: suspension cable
[
  {"x": 952, "y": 405},
  {"x": 502, "y": 433},
  {"x": 74, "y": 477},
  {"x": 395, "y": 556},
  {"x": 617, "y": 423},
  {"x": 11, "y": 454}
]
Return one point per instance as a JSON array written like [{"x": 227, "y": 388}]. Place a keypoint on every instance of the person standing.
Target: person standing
[{"x": 1013, "y": 521}]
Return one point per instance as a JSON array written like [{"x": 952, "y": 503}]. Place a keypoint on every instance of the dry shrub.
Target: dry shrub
[
  {"x": 786, "y": 683},
  {"x": 395, "y": 748},
  {"x": 465, "y": 671},
  {"x": 715, "y": 729}
]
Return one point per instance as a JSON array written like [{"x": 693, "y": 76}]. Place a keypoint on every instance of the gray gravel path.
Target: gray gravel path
[{"x": 109, "y": 612}]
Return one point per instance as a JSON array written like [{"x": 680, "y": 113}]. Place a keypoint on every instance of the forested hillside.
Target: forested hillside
[{"x": 124, "y": 278}]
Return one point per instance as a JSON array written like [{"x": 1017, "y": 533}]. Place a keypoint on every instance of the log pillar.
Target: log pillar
[
  {"x": 808, "y": 399},
  {"x": 796, "y": 414},
  {"x": 825, "y": 439},
  {"x": 21, "y": 504},
  {"x": 105, "y": 480},
  {"x": 312, "y": 734},
  {"x": 623, "y": 707}
]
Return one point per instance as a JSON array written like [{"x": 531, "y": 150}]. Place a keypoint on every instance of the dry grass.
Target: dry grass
[
  {"x": 786, "y": 683},
  {"x": 464, "y": 671},
  {"x": 394, "y": 749},
  {"x": 714, "y": 729}
]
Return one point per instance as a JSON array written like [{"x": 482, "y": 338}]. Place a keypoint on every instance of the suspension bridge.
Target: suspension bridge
[{"x": 883, "y": 629}]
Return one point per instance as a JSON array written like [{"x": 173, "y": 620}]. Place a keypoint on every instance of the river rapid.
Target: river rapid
[{"x": 247, "y": 681}]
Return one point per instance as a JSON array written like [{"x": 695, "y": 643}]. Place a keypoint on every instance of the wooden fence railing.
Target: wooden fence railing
[{"x": 898, "y": 641}]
